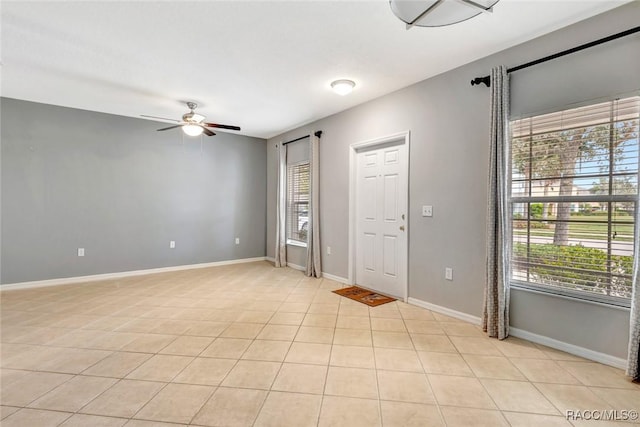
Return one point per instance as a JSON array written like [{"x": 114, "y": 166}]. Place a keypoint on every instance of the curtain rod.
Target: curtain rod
[
  {"x": 318, "y": 134},
  {"x": 487, "y": 79}
]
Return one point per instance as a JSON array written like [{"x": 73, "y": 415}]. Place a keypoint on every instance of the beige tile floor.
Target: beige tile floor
[{"x": 251, "y": 345}]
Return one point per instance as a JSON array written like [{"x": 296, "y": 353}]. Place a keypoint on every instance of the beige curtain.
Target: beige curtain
[
  {"x": 495, "y": 317},
  {"x": 314, "y": 267},
  {"x": 281, "y": 208}
]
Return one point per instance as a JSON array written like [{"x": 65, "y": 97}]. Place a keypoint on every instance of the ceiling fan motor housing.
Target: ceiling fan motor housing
[{"x": 193, "y": 117}]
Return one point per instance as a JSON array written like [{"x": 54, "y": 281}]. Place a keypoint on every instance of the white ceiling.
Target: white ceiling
[{"x": 262, "y": 65}]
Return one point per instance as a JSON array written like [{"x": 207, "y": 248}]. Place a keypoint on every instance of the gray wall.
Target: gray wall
[
  {"x": 449, "y": 124},
  {"x": 115, "y": 186}
]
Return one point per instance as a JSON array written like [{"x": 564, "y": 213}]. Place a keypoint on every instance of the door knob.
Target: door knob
[{"x": 402, "y": 228}]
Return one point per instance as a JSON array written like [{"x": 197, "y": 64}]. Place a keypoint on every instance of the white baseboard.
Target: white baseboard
[
  {"x": 291, "y": 265},
  {"x": 296, "y": 266},
  {"x": 596, "y": 356},
  {"x": 446, "y": 311},
  {"x": 603, "y": 358},
  {"x": 335, "y": 278},
  {"x": 324, "y": 275},
  {"x": 121, "y": 274}
]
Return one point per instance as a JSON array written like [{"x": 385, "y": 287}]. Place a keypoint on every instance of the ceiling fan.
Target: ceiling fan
[{"x": 192, "y": 123}]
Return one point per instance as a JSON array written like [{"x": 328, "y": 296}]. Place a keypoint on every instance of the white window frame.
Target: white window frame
[
  {"x": 608, "y": 198},
  {"x": 291, "y": 240}
]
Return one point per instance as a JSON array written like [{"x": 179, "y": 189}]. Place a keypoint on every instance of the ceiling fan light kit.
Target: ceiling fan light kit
[
  {"x": 438, "y": 13},
  {"x": 192, "y": 130}
]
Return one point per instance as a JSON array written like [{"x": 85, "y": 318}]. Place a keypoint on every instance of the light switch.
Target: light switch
[
  {"x": 80, "y": 251},
  {"x": 427, "y": 211},
  {"x": 172, "y": 244}
]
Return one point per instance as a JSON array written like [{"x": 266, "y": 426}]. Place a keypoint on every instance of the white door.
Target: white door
[{"x": 381, "y": 219}]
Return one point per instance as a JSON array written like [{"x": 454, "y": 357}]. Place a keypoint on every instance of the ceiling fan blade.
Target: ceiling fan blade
[
  {"x": 215, "y": 125},
  {"x": 170, "y": 127},
  {"x": 207, "y": 131},
  {"x": 161, "y": 118}
]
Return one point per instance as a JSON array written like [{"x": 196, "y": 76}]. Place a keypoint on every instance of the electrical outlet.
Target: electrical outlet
[
  {"x": 427, "y": 211},
  {"x": 328, "y": 250},
  {"x": 237, "y": 240},
  {"x": 172, "y": 244},
  {"x": 448, "y": 273},
  {"x": 80, "y": 251}
]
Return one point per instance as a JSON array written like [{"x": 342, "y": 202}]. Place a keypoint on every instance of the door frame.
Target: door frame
[{"x": 400, "y": 138}]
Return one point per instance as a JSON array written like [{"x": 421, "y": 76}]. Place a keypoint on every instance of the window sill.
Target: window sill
[
  {"x": 297, "y": 243},
  {"x": 619, "y": 305}
]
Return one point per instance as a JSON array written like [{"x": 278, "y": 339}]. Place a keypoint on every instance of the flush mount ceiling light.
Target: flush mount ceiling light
[
  {"x": 343, "y": 87},
  {"x": 438, "y": 13}
]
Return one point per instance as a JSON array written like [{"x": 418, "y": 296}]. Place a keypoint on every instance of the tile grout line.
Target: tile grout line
[
  {"x": 274, "y": 379},
  {"x": 375, "y": 372},
  {"x": 426, "y": 376}
]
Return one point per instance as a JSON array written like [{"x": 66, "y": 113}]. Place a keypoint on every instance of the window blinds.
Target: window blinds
[
  {"x": 574, "y": 192},
  {"x": 298, "y": 202}
]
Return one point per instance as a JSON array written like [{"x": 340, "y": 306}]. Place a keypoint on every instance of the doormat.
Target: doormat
[{"x": 364, "y": 296}]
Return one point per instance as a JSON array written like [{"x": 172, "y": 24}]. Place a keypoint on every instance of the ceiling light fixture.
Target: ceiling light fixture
[
  {"x": 438, "y": 13},
  {"x": 192, "y": 130},
  {"x": 343, "y": 87}
]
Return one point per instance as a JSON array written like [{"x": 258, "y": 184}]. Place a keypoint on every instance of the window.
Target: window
[
  {"x": 297, "y": 203},
  {"x": 574, "y": 193}
]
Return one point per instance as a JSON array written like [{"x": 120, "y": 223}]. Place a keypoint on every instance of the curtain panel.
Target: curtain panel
[
  {"x": 495, "y": 317},
  {"x": 281, "y": 209},
  {"x": 314, "y": 267}
]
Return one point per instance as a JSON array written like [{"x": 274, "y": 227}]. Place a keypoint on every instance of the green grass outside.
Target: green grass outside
[{"x": 596, "y": 229}]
